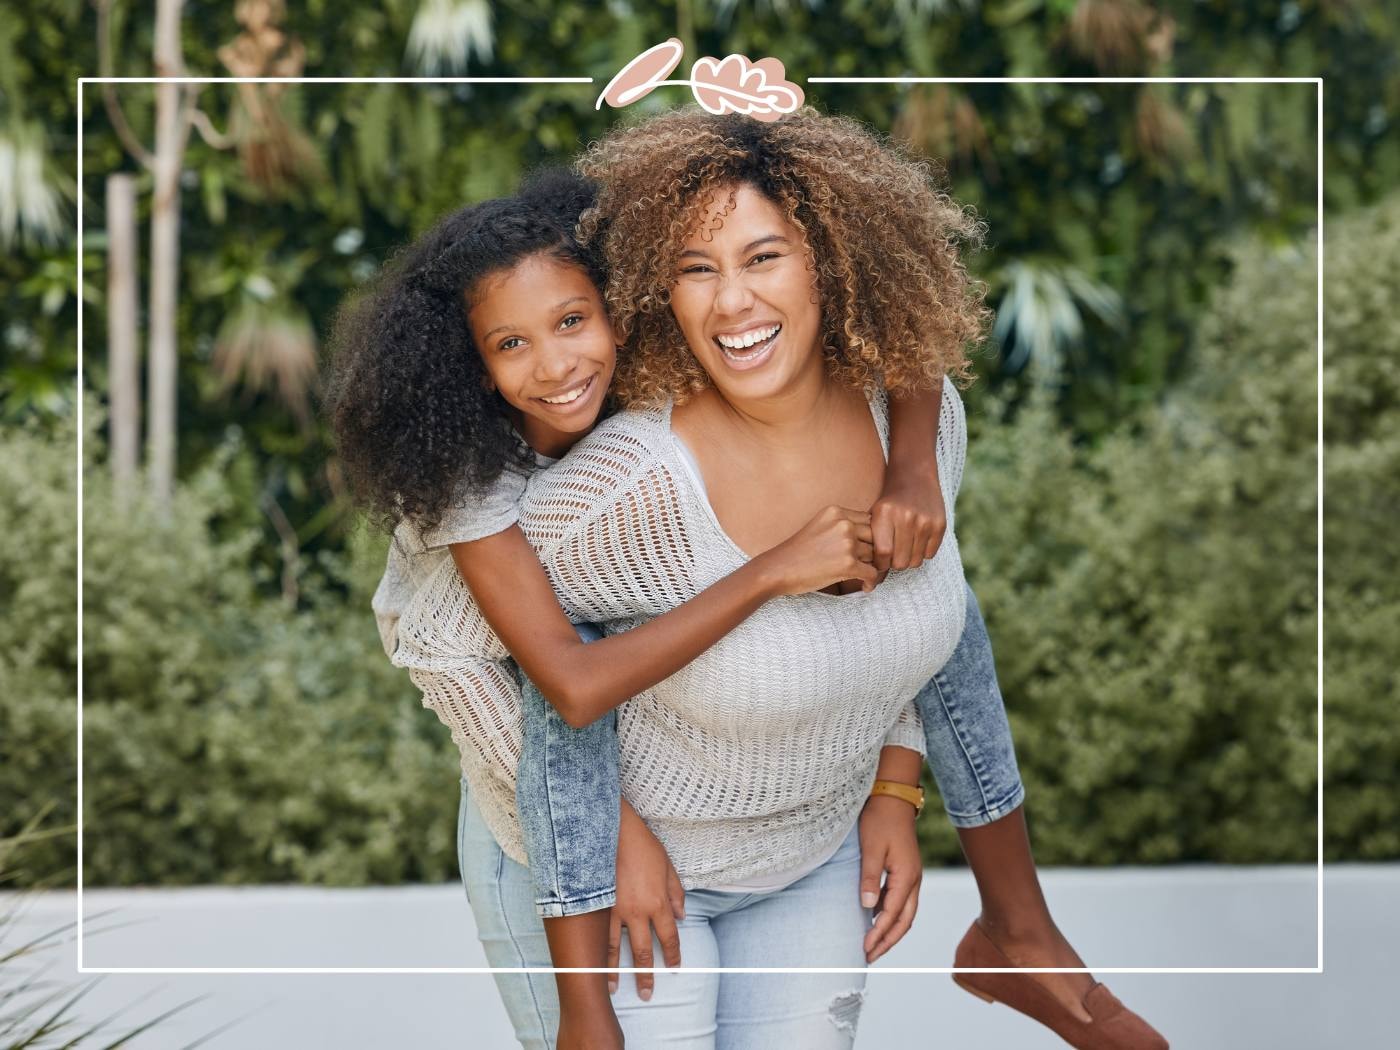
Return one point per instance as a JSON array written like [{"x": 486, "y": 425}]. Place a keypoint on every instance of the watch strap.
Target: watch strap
[{"x": 911, "y": 793}]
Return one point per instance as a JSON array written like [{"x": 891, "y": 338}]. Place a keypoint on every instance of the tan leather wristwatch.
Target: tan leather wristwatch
[{"x": 911, "y": 793}]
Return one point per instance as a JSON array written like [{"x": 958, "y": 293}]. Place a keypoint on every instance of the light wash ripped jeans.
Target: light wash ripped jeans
[
  {"x": 568, "y": 798},
  {"x": 815, "y": 921}
]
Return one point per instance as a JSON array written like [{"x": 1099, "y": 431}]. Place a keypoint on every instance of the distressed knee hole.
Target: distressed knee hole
[{"x": 844, "y": 1010}]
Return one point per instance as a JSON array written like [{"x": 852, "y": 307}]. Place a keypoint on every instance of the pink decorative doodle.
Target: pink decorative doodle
[
  {"x": 736, "y": 85},
  {"x": 733, "y": 84},
  {"x": 644, "y": 73}
]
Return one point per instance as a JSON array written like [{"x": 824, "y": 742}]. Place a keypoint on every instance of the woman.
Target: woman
[
  {"x": 783, "y": 370},
  {"x": 755, "y": 802},
  {"x": 898, "y": 265}
]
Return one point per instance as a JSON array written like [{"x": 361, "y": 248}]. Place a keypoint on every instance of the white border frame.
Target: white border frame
[{"x": 1318, "y": 81}]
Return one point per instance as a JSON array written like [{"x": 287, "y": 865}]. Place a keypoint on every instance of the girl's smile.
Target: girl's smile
[{"x": 548, "y": 348}]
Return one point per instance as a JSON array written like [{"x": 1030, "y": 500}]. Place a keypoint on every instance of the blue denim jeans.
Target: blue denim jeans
[
  {"x": 501, "y": 894},
  {"x": 817, "y": 921},
  {"x": 966, "y": 734},
  {"x": 567, "y": 786},
  {"x": 569, "y": 801}
]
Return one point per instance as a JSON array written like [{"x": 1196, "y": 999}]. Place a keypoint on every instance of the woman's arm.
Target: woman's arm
[
  {"x": 889, "y": 847},
  {"x": 585, "y": 681},
  {"x": 909, "y": 518}
]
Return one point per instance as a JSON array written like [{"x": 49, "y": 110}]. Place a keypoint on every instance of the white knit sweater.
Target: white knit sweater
[{"x": 759, "y": 754}]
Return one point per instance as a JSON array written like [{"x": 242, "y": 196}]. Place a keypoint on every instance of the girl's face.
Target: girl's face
[
  {"x": 548, "y": 348},
  {"x": 745, "y": 298}
]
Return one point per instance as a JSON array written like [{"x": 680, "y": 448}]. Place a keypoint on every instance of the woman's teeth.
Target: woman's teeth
[
  {"x": 732, "y": 344},
  {"x": 569, "y": 397}
]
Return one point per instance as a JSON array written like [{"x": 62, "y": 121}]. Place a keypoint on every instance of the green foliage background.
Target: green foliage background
[
  {"x": 1151, "y": 598},
  {"x": 1139, "y": 520}
]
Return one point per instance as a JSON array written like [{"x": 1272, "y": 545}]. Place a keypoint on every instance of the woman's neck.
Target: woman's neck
[{"x": 786, "y": 420}]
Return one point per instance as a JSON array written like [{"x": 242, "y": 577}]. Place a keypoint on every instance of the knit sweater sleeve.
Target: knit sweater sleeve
[
  {"x": 463, "y": 671},
  {"x": 608, "y": 524},
  {"x": 908, "y": 730}
]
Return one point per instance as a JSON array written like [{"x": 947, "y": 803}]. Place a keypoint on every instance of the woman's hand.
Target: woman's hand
[
  {"x": 888, "y": 847},
  {"x": 908, "y": 520},
  {"x": 836, "y": 545},
  {"x": 649, "y": 896}
]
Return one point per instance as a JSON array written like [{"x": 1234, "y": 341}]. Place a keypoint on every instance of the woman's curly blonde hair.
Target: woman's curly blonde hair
[{"x": 898, "y": 307}]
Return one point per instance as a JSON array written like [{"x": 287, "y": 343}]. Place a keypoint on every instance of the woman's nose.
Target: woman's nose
[{"x": 733, "y": 296}]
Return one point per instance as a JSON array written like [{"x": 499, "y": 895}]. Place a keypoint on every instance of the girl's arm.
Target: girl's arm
[
  {"x": 909, "y": 518},
  {"x": 585, "y": 681}
]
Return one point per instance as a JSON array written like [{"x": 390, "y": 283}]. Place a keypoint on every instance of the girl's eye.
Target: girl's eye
[
  {"x": 765, "y": 257},
  {"x": 697, "y": 268},
  {"x": 572, "y": 321},
  {"x": 511, "y": 343}
]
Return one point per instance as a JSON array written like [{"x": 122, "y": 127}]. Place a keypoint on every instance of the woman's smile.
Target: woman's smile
[
  {"x": 744, "y": 297},
  {"x": 750, "y": 348}
]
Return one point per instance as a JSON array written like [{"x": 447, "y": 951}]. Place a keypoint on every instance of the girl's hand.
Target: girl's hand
[
  {"x": 649, "y": 896},
  {"x": 834, "y": 546},
  {"x": 888, "y": 847},
  {"x": 909, "y": 519}
]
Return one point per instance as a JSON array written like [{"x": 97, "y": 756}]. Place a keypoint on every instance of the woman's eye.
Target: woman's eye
[
  {"x": 511, "y": 343},
  {"x": 572, "y": 321},
  {"x": 762, "y": 258},
  {"x": 697, "y": 268}
]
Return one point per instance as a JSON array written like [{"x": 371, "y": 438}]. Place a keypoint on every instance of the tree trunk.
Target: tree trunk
[
  {"x": 171, "y": 136},
  {"x": 123, "y": 367}
]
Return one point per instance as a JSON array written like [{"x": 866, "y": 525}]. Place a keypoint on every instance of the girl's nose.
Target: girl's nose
[{"x": 555, "y": 362}]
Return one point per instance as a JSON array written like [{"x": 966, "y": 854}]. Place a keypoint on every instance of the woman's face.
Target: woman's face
[
  {"x": 745, "y": 298},
  {"x": 548, "y": 348}
]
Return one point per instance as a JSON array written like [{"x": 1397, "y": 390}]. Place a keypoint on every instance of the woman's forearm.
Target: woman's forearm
[{"x": 899, "y": 764}]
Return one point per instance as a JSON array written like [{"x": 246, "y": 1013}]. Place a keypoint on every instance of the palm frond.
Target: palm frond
[
  {"x": 1042, "y": 312},
  {"x": 37, "y": 1011},
  {"x": 31, "y": 205},
  {"x": 446, "y": 34},
  {"x": 264, "y": 345},
  {"x": 1112, "y": 34}
]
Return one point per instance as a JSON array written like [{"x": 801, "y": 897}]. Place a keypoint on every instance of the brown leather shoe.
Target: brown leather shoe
[{"x": 1114, "y": 1027}]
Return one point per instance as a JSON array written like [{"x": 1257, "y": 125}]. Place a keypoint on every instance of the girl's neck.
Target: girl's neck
[{"x": 543, "y": 438}]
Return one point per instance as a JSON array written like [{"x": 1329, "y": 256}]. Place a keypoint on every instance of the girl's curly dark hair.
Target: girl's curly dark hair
[
  {"x": 898, "y": 306},
  {"x": 408, "y": 402}
]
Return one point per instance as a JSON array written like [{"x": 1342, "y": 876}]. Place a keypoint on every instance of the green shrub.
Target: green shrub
[
  {"x": 227, "y": 736},
  {"x": 1152, "y": 599},
  {"x": 1362, "y": 561}
]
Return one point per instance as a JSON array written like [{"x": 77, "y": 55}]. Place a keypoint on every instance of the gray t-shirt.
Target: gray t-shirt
[{"x": 414, "y": 555}]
